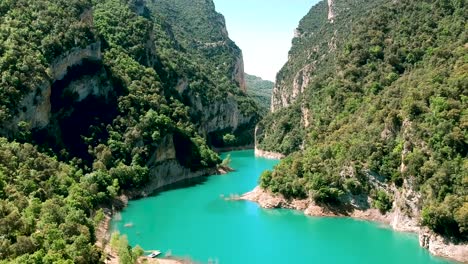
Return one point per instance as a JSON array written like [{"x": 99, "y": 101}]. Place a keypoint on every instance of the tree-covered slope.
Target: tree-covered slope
[
  {"x": 100, "y": 94},
  {"x": 259, "y": 89},
  {"x": 199, "y": 29},
  {"x": 315, "y": 44},
  {"x": 385, "y": 102}
]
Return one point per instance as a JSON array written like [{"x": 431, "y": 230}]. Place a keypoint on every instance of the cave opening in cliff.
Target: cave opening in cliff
[{"x": 83, "y": 103}]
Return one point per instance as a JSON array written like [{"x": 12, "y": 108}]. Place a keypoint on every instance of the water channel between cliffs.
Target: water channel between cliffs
[{"x": 197, "y": 221}]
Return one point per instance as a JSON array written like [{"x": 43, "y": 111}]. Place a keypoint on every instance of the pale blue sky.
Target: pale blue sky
[{"x": 263, "y": 29}]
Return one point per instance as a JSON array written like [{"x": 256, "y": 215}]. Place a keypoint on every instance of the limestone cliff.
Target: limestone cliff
[
  {"x": 37, "y": 106},
  {"x": 166, "y": 170},
  {"x": 331, "y": 10},
  {"x": 225, "y": 114},
  {"x": 342, "y": 109},
  {"x": 314, "y": 46},
  {"x": 69, "y": 76},
  {"x": 226, "y": 110},
  {"x": 239, "y": 74}
]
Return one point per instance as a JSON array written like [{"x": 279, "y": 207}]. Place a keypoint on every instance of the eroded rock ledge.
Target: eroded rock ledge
[
  {"x": 436, "y": 244},
  {"x": 268, "y": 154}
]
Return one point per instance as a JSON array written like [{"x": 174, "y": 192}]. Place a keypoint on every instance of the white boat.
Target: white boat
[{"x": 154, "y": 254}]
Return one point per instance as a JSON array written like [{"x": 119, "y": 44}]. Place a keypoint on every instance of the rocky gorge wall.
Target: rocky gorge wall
[
  {"x": 166, "y": 170},
  {"x": 79, "y": 76},
  {"x": 219, "y": 115},
  {"x": 36, "y": 106}
]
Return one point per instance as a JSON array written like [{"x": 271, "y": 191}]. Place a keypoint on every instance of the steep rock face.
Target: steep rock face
[
  {"x": 439, "y": 246},
  {"x": 75, "y": 56},
  {"x": 36, "y": 106},
  {"x": 224, "y": 114},
  {"x": 300, "y": 81},
  {"x": 238, "y": 75},
  {"x": 165, "y": 169},
  {"x": 165, "y": 150},
  {"x": 224, "y": 110},
  {"x": 331, "y": 10},
  {"x": 170, "y": 172},
  {"x": 314, "y": 47},
  {"x": 407, "y": 208}
]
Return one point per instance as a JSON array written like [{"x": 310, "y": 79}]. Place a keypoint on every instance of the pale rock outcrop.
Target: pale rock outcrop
[
  {"x": 301, "y": 81},
  {"x": 36, "y": 106},
  {"x": 167, "y": 173},
  {"x": 165, "y": 169},
  {"x": 407, "y": 146},
  {"x": 164, "y": 151},
  {"x": 332, "y": 43},
  {"x": 268, "y": 154},
  {"x": 218, "y": 115},
  {"x": 331, "y": 11},
  {"x": 439, "y": 246},
  {"x": 407, "y": 208},
  {"x": 182, "y": 85},
  {"x": 297, "y": 33},
  {"x": 36, "y": 109},
  {"x": 75, "y": 56},
  {"x": 238, "y": 74},
  {"x": 88, "y": 85},
  {"x": 282, "y": 97},
  {"x": 305, "y": 116}
]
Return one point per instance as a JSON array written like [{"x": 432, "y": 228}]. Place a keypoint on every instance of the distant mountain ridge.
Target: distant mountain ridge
[{"x": 261, "y": 90}]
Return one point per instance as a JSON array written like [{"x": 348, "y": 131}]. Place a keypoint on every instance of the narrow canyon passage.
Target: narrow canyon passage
[{"x": 197, "y": 221}]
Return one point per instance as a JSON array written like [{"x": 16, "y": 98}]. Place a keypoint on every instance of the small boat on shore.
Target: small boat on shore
[{"x": 154, "y": 254}]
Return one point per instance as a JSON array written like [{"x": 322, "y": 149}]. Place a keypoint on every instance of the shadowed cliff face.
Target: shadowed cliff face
[
  {"x": 35, "y": 107},
  {"x": 84, "y": 98},
  {"x": 91, "y": 90},
  {"x": 81, "y": 92}
]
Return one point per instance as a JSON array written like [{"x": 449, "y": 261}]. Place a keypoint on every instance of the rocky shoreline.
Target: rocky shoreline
[
  {"x": 103, "y": 231},
  {"x": 228, "y": 149},
  {"x": 436, "y": 244},
  {"x": 268, "y": 154}
]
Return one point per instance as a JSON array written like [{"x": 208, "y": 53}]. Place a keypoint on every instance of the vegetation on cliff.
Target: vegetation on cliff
[
  {"x": 161, "y": 69},
  {"x": 388, "y": 99},
  {"x": 32, "y": 34},
  {"x": 259, "y": 89}
]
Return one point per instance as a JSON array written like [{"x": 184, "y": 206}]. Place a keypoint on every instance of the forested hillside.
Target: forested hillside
[
  {"x": 95, "y": 96},
  {"x": 259, "y": 89},
  {"x": 373, "y": 103}
]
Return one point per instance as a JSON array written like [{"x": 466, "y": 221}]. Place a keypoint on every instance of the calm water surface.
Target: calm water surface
[{"x": 197, "y": 222}]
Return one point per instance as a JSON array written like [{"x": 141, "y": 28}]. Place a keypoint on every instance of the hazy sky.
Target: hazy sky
[{"x": 263, "y": 29}]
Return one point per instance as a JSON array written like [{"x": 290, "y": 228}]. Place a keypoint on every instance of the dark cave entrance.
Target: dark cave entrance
[{"x": 77, "y": 123}]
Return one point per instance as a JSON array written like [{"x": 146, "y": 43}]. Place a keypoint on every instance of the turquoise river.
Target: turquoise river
[{"x": 197, "y": 221}]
